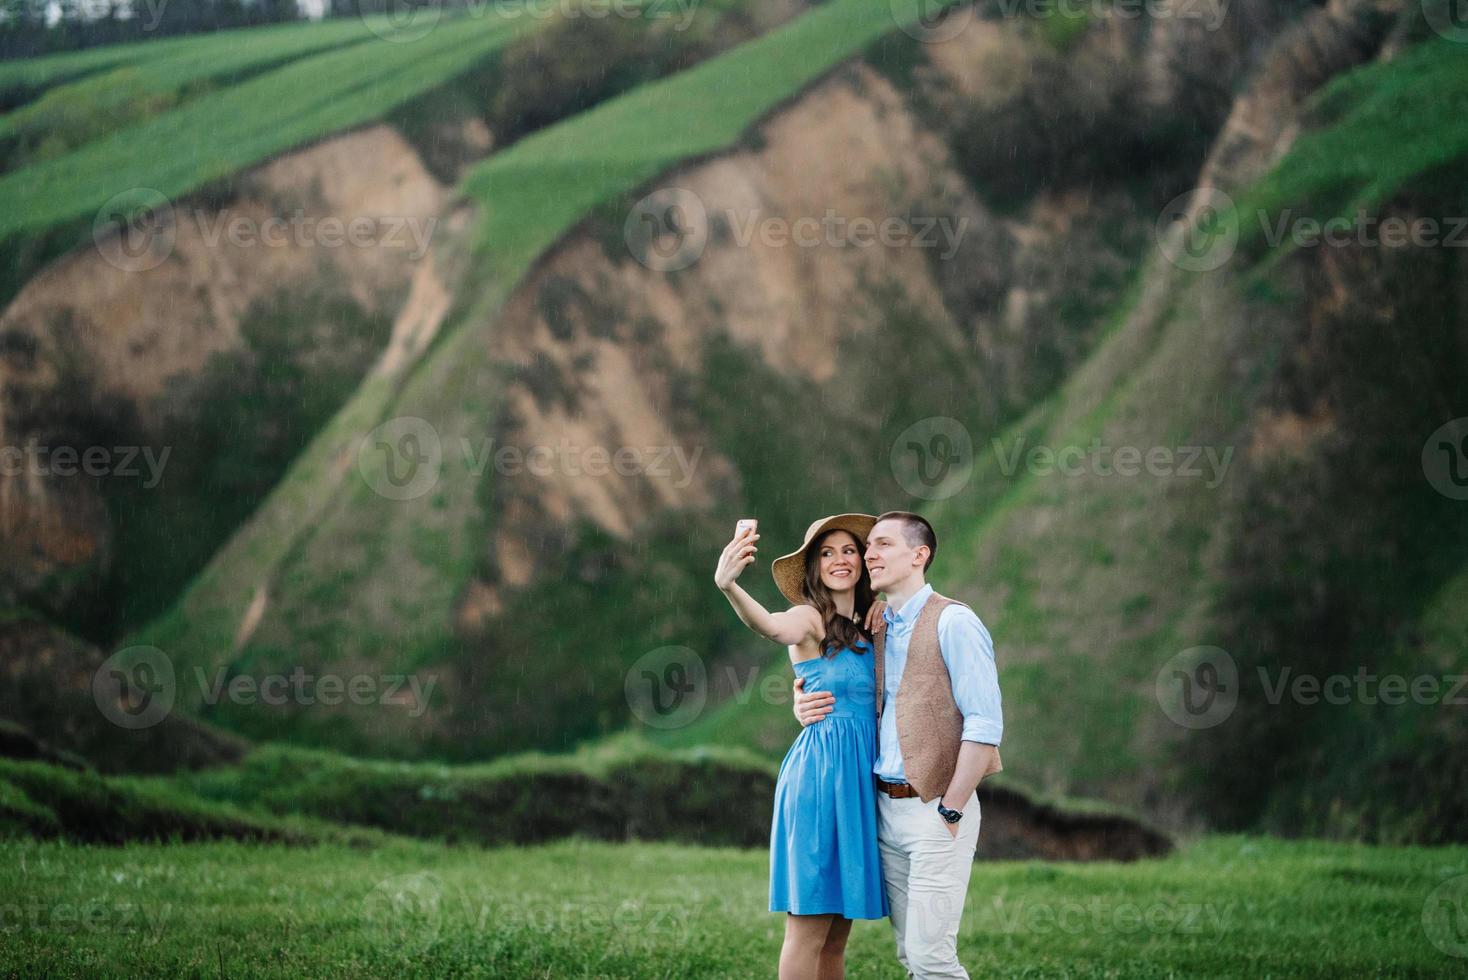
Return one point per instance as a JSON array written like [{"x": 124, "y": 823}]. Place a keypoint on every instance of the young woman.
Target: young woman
[{"x": 824, "y": 866}]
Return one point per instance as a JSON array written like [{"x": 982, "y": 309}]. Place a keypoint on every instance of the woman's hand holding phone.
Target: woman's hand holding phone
[{"x": 738, "y": 554}]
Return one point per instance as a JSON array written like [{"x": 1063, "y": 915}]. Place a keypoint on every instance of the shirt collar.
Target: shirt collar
[{"x": 910, "y": 608}]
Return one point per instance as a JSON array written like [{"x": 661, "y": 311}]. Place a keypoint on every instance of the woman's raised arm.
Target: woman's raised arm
[{"x": 791, "y": 627}]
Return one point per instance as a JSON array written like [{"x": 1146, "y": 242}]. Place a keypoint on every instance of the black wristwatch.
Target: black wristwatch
[{"x": 952, "y": 816}]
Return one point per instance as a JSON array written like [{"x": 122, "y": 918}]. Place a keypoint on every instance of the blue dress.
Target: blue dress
[{"x": 823, "y": 838}]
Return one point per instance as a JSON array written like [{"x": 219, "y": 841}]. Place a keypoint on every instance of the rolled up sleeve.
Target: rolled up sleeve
[{"x": 968, "y": 652}]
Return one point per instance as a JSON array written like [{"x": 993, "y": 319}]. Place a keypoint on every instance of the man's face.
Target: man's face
[{"x": 890, "y": 559}]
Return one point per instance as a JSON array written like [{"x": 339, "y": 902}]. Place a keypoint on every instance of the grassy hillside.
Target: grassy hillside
[
  {"x": 536, "y": 191},
  {"x": 46, "y": 801},
  {"x": 1225, "y": 906},
  {"x": 1319, "y": 550},
  {"x": 1312, "y": 552},
  {"x": 1376, "y": 136},
  {"x": 76, "y": 112},
  {"x": 221, "y": 132},
  {"x": 623, "y": 790},
  {"x": 26, "y": 78},
  {"x": 1299, "y": 533},
  {"x": 356, "y": 575},
  {"x": 305, "y": 349}
]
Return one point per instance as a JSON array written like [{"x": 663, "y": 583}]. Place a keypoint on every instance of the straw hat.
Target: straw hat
[{"x": 789, "y": 570}]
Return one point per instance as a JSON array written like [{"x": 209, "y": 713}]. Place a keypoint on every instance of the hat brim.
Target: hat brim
[{"x": 789, "y": 570}]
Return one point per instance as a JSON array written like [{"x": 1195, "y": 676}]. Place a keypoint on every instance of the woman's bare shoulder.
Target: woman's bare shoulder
[
  {"x": 808, "y": 648},
  {"x": 807, "y": 610}
]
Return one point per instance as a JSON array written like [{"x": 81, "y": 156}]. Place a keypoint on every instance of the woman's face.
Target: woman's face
[{"x": 839, "y": 554}]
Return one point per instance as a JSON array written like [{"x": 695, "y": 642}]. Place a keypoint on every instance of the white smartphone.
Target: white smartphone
[{"x": 748, "y": 522}]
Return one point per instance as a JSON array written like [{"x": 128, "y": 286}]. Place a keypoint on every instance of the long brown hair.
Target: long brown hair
[{"x": 840, "y": 631}]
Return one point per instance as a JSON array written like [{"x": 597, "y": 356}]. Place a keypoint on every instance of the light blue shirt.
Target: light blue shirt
[{"x": 967, "y": 651}]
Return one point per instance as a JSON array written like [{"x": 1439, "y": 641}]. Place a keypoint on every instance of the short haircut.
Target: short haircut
[{"x": 916, "y": 529}]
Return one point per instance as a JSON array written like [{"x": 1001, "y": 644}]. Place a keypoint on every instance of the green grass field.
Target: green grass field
[
  {"x": 28, "y": 77},
  {"x": 1223, "y": 907},
  {"x": 226, "y": 130},
  {"x": 536, "y": 190},
  {"x": 73, "y": 113}
]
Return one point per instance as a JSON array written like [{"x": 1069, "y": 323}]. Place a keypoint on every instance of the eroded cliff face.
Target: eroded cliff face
[
  {"x": 779, "y": 376},
  {"x": 127, "y": 348},
  {"x": 601, "y": 339},
  {"x": 767, "y": 375}
]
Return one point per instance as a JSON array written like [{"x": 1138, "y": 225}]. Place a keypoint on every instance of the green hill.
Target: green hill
[
  {"x": 1309, "y": 554},
  {"x": 68, "y": 115},
  {"x": 1245, "y": 442},
  {"x": 410, "y": 560}
]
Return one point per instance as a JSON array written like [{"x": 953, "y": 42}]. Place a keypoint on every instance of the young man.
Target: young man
[{"x": 939, "y": 725}]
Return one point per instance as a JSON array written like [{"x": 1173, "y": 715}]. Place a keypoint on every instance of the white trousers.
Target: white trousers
[{"x": 926, "y": 870}]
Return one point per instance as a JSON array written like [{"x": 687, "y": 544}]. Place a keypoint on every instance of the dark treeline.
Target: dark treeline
[{"x": 24, "y": 30}]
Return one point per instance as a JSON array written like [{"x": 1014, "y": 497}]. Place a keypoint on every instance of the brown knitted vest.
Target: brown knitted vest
[{"x": 929, "y": 724}]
